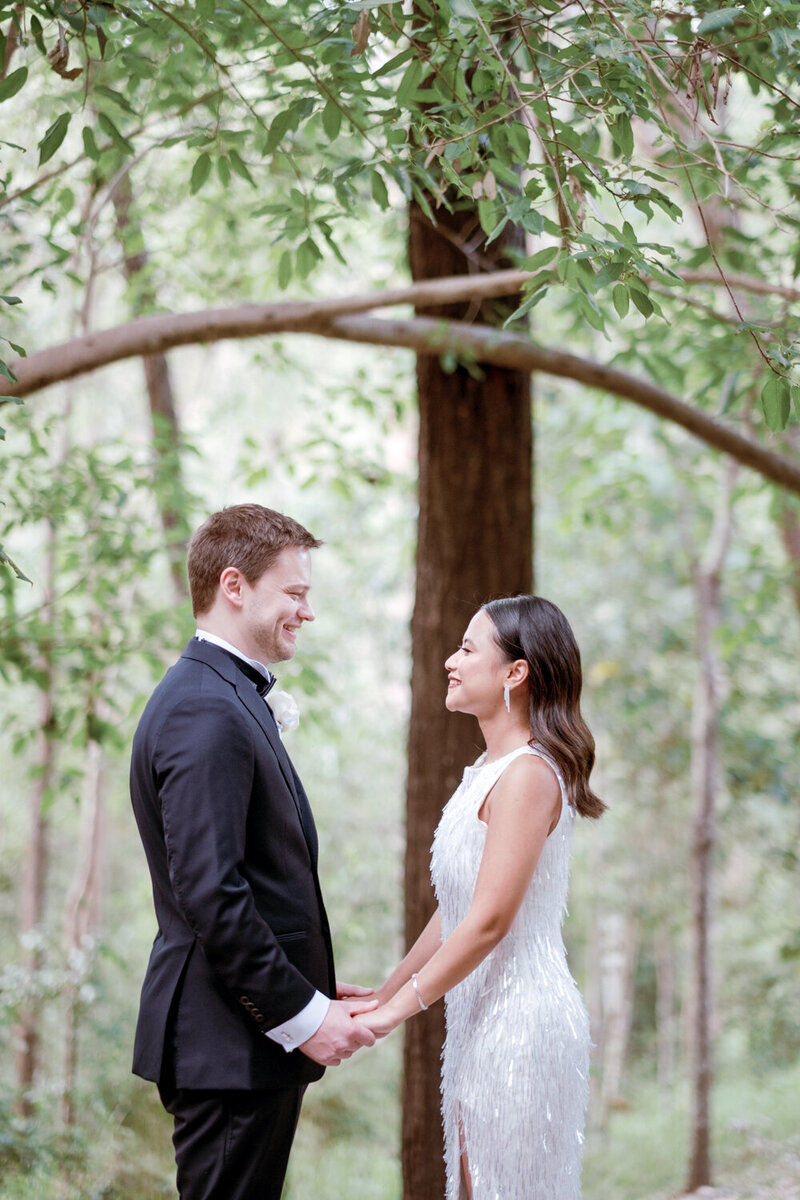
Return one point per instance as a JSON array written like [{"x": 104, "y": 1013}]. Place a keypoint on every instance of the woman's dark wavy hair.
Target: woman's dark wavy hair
[{"x": 533, "y": 629}]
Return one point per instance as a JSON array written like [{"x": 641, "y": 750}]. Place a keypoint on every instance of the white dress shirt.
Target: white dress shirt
[{"x": 300, "y": 1028}]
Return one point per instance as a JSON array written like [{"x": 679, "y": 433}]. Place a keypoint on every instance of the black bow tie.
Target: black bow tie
[{"x": 262, "y": 683}]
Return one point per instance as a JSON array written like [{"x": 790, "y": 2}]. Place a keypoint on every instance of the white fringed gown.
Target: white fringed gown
[{"x": 515, "y": 1066}]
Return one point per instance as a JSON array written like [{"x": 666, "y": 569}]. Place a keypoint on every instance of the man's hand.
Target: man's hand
[
  {"x": 339, "y": 1036},
  {"x": 343, "y": 990}
]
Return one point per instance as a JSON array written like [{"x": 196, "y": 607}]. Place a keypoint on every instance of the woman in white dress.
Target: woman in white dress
[{"x": 516, "y": 1058}]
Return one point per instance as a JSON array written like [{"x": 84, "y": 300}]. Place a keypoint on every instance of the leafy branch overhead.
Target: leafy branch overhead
[{"x": 632, "y": 143}]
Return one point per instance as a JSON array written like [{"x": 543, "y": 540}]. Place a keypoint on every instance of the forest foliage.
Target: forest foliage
[{"x": 649, "y": 154}]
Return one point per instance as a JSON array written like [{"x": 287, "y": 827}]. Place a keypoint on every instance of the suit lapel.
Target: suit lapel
[{"x": 224, "y": 665}]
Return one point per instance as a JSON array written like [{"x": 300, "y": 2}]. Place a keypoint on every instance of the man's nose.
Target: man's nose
[{"x": 306, "y": 612}]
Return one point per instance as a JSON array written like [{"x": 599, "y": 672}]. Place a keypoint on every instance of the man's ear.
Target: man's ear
[{"x": 231, "y": 583}]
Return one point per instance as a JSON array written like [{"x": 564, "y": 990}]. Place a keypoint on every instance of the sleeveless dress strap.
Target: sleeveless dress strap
[{"x": 490, "y": 778}]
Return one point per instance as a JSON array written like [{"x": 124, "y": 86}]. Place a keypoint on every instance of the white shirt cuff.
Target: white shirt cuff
[{"x": 299, "y": 1029}]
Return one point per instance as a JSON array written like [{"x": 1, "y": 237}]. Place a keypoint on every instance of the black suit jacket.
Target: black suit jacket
[{"x": 243, "y": 939}]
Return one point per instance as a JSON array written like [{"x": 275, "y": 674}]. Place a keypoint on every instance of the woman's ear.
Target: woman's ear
[{"x": 517, "y": 672}]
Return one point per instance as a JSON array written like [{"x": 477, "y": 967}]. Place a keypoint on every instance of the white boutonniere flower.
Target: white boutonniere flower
[{"x": 285, "y": 711}]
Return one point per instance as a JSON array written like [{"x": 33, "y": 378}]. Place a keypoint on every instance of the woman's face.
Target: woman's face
[{"x": 477, "y": 671}]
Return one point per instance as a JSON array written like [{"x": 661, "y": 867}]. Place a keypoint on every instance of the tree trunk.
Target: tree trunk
[
  {"x": 665, "y": 1010},
  {"x": 163, "y": 411},
  {"x": 789, "y": 525},
  {"x": 83, "y": 917},
  {"x": 474, "y": 542},
  {"x": 705, "y": 783},
  {"x": 34, "y": 876},
  {"x": 618, "y": 938}
]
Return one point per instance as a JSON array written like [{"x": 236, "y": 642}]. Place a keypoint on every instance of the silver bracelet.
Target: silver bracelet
[{"x": 415, "y": 986}]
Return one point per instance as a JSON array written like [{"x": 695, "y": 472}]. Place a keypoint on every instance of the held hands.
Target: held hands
[
  {"x": 339, "y": 1035},
  {"x": 381, "y": 1021},
  {"x": 389, "y": 1013}
]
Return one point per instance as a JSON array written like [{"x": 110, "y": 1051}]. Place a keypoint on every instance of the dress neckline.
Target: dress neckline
[{"x": 482, "y": 761}]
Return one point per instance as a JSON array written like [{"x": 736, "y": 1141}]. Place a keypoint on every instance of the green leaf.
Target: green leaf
[
  {"x": 200, "y": 173},
  {"x": 519, "y": 139},
  {"x": 776, "y": 402},
  {"x": 608, "y": 273},
  {"x": 331, "y": 120},
  {"x": 410, "y": 82},
  {"x": 308, "y": 255},
  {"x": 89, "y": 144},
  {"x": 53, "y": 137},
  {"x": 284, "y": 270},
  {"x": 623, "y": 135},
  {"x": 379, "y": 193},
  {"x": 11, "y": 299},
  {"x": 718, "y": 20},
  {"x": 240, "y": 168},
  {"x": 206, "y": 9},
  {"x": 621, "y": 298},
  {"x": 224, "y": 171},
  {"x": 397, "y": 61},
  {"x": 13, "y": 83},
  {"x": 109, "y": 128},
  {"x": 642, "y": 302},
  {"x": 541, "y": 258},
  {"x": 115, "y": 97},
  {"x": 283, "y": 121}
]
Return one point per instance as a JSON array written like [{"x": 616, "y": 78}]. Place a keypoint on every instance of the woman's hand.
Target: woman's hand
[{"x": 380, "y": 1021}]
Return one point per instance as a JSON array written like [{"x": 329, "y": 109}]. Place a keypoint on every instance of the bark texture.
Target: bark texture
[{"x": 474, "y": 542}]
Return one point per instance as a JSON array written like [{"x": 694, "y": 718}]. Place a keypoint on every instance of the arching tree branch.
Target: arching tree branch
[
  {"x": 481, "y": 343},
  {"x": 343, "y": 318}
]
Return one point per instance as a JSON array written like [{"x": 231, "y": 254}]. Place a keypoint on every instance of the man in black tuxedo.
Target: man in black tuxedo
[{"x": 239, "y": 1008}]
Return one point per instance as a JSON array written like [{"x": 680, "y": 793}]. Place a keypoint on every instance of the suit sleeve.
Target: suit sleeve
[{"x": 204, "y": 761}]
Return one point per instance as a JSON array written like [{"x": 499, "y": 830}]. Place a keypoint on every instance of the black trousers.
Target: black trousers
[{"x": 232, "y": 1145}]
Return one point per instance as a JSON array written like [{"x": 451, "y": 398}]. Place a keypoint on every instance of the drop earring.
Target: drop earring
[{"x": 507, "y": 697}]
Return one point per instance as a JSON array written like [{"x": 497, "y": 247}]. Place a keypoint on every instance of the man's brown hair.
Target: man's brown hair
[{"x": 247, "y": 536}]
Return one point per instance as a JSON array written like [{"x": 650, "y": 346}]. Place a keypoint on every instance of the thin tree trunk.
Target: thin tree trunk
[
  {"x": 618, "y": 936},
  {"x": 705, "y": 785},
  {"x": 34, "y": 876},
  {"x": 474, "y": 542},
  {"x": 665, "y": 1010},
  {"x": 83, "y": 915},
  {"x": 789, "y": 526},
  {"x": 161, "y": 397}
]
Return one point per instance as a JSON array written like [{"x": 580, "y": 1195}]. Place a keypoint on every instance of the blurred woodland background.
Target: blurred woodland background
[{"x": 583, "y": 220}]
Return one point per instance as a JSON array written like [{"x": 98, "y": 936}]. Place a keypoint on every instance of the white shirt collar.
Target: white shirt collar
[{"x": 203, "y": 636}]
